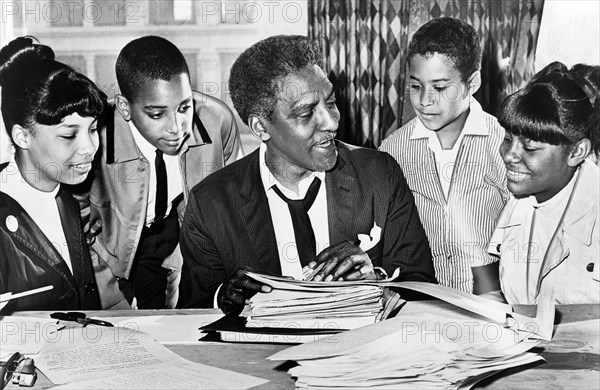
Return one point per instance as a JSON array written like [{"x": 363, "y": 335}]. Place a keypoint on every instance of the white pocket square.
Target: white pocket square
[{"x": 367, "y": 242}]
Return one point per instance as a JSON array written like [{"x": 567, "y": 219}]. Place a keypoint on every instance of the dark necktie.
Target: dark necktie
[
  {"x": 303, "y": 231},
  {"x": 162, "y": 192}
]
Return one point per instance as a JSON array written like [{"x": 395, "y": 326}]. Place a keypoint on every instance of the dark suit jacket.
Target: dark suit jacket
[
  {"x": 228, "y": 223},
  {"x": 29, "y": 260}
]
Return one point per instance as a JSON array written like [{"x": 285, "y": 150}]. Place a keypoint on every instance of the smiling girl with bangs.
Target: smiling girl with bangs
[{"x": 547, "y": 236}]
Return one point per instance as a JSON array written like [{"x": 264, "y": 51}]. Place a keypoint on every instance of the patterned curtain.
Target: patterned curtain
[{"x": 364, "y": 45}]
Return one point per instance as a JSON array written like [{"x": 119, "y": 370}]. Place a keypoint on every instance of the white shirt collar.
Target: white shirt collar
[
  {"x": 268, "y": 179},
  {"x": 14, "y": 185},
  {"x": 147, "y": 149},
  {"x": 560, "y": 198},
  {"x": 474, "y": 125},
  {"x": 39, "y": 205}
]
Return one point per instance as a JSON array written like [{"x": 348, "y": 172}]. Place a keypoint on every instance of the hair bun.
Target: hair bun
[
  {"x": 22, "y": 53},
  {"x": 554, "y": 68}
]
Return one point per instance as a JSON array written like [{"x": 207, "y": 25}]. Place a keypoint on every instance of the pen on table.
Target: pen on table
[
  {"x": 9, "y": 296},
  {"x": 80, "y": 318}
]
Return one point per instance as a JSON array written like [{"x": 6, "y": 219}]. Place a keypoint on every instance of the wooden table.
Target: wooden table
[{"x": 572, "y": 358}]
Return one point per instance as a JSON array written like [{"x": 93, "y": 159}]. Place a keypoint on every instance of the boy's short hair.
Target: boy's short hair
[
  {"x": 148, "y": 58},
  {"x": 451, "y": 37},
  {"x": 254, "y": 77}
]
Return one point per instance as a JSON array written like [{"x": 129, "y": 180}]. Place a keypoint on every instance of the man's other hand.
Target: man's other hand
[{"x": 237, "y": 290}]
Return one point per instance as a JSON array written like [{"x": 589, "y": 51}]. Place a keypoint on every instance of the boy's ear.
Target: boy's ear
[
  {"x": 21, "y": 136},
  {"x": 258, "y": 129},
  {"x": 474, "y": 82},
  {"x": 123, "y": 107},
  {"x": 579, "y": 152}
]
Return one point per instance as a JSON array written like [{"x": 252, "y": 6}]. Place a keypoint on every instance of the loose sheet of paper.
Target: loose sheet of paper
[
  {"x": 188, "y": 376},
  {"x": 25, "y": 334},
  {"x": 96, "y": 354},
  {"x": 168, "y": 329}
]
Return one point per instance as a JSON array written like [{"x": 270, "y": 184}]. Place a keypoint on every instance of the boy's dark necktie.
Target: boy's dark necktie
[
  {"x": 162, "y": 192},
  {"x": 303, "y": 231}
]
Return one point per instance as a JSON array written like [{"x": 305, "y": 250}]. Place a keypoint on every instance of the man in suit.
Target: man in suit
[{"x": 301, "y": 191}]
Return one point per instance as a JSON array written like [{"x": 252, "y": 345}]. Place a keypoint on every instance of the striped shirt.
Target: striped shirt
[{"x": 460, "y": 225}]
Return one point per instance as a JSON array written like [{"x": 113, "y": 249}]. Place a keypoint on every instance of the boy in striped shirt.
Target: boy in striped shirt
[{"x": 449, "y": 154}]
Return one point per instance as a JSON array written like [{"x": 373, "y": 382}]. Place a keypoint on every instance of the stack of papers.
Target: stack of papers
[
  {"x": 430, "y": 351},
  {"x": 314, "y": 305},
  {"x": 300, "y": 311},
  {"x": 297, "y": 311}
]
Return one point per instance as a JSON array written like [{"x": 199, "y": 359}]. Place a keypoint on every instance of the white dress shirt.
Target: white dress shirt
[
  {"x": 445, "y": 159},
  {"x": 41, "y": 207},
  {"x": 282, "y": 220},
  {"x": 174, "y": 180}
]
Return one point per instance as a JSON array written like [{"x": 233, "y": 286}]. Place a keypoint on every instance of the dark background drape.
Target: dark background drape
[{"x": 364, "y": 45}]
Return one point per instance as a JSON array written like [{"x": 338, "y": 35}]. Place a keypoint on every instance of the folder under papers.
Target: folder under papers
[{"x": 235, "y": 329}]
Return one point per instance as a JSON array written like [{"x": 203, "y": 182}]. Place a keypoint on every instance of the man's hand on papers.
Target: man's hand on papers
[
  {"x": 342, "y": 261},
  {"x": 235, "y": 292}
]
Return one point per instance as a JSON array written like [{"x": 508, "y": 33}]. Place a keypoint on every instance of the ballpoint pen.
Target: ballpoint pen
[
  {"x": 79, "y": 317},
  {"x": 9, "y": 296}
]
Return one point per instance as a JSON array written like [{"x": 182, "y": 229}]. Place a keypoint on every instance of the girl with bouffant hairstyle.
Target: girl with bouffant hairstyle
[{"x": 50, "y": 113}]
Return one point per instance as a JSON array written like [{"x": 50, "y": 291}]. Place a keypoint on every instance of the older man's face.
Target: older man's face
[{"x": 303, "y": 125}]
